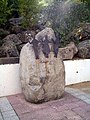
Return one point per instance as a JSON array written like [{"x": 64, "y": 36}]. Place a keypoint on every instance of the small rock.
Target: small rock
[
  {"x": 47, "y": 31},
  {"x": 68, "y": 52},
  {"x": 13, "y": 38},
  {"x": 84, "y": 49},
  {"x": 9, "y": 50}
]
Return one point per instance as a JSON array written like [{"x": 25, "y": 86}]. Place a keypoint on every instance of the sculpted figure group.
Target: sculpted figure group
[{"x": 43, "y": 43}]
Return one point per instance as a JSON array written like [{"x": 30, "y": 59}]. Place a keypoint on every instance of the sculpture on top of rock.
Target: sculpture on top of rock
[{"x": 45, "y": 40}]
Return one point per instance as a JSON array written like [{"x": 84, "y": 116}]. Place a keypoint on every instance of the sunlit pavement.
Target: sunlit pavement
[{"x": 74, "y": 105}]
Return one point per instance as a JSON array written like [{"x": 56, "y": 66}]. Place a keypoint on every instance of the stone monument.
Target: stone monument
[{"x": 42, "y": 71}]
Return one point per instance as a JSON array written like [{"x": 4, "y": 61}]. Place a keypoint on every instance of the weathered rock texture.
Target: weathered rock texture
[
  {"x": 68, "y": 52},
  {"x": 47, "y": 31},
  {"x": 84, "y": 49},
  {"x": 42, "y": 79},
  {"x": 12, "y": 38},
  {"x": 9, "y": 46},
  {"x": 8, "y": 49}
]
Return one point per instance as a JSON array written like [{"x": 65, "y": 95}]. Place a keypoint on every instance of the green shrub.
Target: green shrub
[
  {"x": 14, "y": 4},
  {"x": 65, "y": 16},
  {"x": 29, "y": 9},
  {"x": 5, "y": 11}
]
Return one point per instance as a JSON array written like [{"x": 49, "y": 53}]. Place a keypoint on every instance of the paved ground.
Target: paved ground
[{"x": 74, "y": 105}]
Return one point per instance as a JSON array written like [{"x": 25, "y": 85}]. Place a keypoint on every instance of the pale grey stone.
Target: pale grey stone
[
  {"x": 5, "y": 105},
  {"x": 82, "y": 97},
  {"x": 68, "y": 52},
  {"x": 47, "y": 31},
  {"x": 87, "y": 101},
  {"x": 42, "y": 79},
  {"x": 8, "y": 114},
  {"x": 12, "y": 118}
]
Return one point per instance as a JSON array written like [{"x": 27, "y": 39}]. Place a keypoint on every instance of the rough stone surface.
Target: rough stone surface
[
  {"x": 8, "y": 49},
  {"x": 84, "y": 49},
  {"x": 10, "y": 46},
  {"x": 47, "y": 31},
  {"x": 68, "y": 52},
  {"x": 12, "y": 38},
  {"x": 42, "y": 79}
]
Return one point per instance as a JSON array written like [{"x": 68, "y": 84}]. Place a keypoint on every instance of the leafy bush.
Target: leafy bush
[
  {"x": 5, "y": 11},
  {"x": 86, "y": 1},
  {"x": 65, "y": 16},
  {"x": 29, "y": 9},
  {"x": 14, "y": 4}
]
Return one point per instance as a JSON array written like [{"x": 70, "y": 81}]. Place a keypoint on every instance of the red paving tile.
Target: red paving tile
[{"x": 66, "y": 108}]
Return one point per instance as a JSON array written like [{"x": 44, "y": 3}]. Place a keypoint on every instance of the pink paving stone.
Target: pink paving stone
[
  {"x": 60, "y": 108},
  {"x": 52, "y": 110},
  {"x": 72, "y": 105},
  {"x": 13, "y": 100},
  {"x": 84, "y": 113},
  {"x": 81, "y": 103},
  {"x": 46, "y": 114},
  {"x": 71, "y": 115},
  {"x": 66, "y": 99},
  {"x": 86, "y": 108},
  {"x": 22, "y": 109}
]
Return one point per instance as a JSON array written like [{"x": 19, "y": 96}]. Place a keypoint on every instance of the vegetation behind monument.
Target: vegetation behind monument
[{"x": 63, "y": 22}]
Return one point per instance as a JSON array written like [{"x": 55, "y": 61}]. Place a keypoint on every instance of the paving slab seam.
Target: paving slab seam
[
  {"x": 6, "y": 110},
  {"x": 78, "y": 94}
]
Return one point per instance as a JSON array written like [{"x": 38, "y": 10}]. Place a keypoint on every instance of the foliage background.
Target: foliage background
[
  {"x": 65, "y": 16},
  {"x": 62, "y": 15}
]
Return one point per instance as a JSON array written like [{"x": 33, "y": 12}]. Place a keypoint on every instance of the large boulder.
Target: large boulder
[
  {"x": 42, "y": 79},
  {"x": 84, "y": 49},
  {"x": 68, "y": 52}
]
